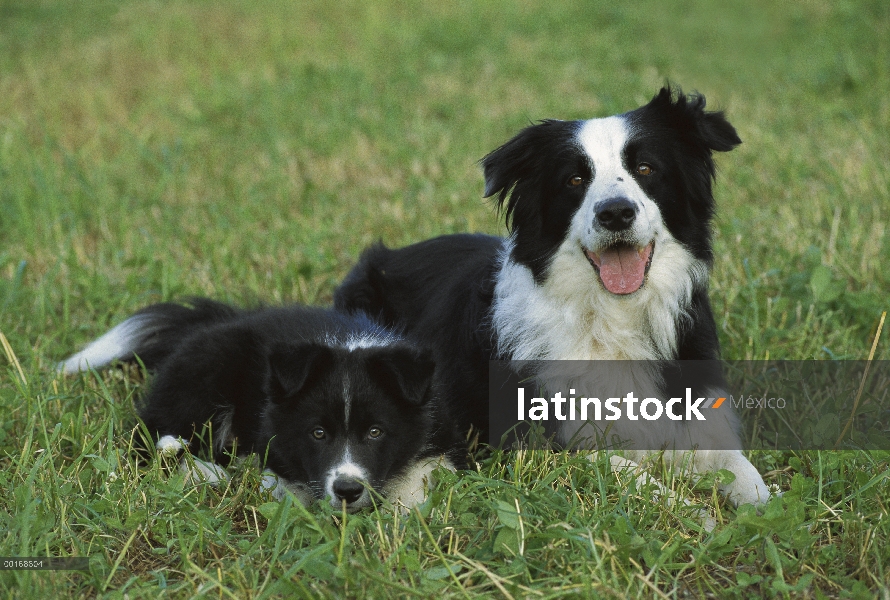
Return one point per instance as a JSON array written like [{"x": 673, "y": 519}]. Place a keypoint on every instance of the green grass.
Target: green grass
[{"x": 249, "y": 150}]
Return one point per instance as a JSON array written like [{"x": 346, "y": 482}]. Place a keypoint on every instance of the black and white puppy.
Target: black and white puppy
[
  {"x": 608, "y": 259},
  {"x": 333, "y": 403}
]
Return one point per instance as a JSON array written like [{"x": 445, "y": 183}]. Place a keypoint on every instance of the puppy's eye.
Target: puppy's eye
[
  {"x": 644, "y": 169},
  {"x": 575, "y": 181},
  {"x": 374, "y": 433},
  {"x": 319, "y": 433}
]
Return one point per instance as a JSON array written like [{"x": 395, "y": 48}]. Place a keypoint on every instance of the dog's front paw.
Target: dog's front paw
[
  {"x": 200, "y": 470},
  {"x": 171, "y": 446},
  {"x": 748, "y": 486},
  {"x": 280, "y": 487}
]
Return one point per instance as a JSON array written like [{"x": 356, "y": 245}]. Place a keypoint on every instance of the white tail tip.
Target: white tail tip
[{"x": 120, "y": 342}]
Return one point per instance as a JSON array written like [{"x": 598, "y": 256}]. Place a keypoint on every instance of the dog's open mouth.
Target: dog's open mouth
[{"x": 622, "y": 267}]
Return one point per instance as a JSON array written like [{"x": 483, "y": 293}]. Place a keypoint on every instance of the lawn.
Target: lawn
[{"x": 248, "y": 150}]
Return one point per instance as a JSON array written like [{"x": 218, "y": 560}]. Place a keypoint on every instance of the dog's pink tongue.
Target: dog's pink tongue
[{"x": 622, "y": 269}]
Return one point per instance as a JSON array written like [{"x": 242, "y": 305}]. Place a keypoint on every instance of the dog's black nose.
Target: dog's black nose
[
  {"x": 616, "y": 214},
  {"x": 348, "y": 489}
]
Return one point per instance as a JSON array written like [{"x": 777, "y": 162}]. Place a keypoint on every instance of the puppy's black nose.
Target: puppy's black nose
[
  {"x": 348, "y": 489},
  {"x": 616, "y": 214}
]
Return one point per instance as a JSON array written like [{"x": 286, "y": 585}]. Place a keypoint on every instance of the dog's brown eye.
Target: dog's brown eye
[
  {"x": 374, "y": 433},
  {"x": 576, "y": 180},
  {"x": 318, "y": 433},
  {"x": 644, "y": 169}
]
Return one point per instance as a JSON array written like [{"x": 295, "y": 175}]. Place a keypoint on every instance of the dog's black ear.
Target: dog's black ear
[
  {"x": 403, "y": 371},
  {"x": 688, "y": 112},
  {"x": 519, "y": 161},
  {"x": 294, "y": 367},
  {"x": 715, "y": 131},
  {"x": 503, "y": 166}
]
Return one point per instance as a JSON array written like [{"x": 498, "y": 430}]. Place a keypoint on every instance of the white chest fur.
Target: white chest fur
[{"x": 572, "y": 317}]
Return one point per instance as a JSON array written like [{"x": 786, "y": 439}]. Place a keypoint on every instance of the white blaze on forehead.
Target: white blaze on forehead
[
  {"x": 346, "y": 400},
  {"x": 370, "y": 339},
  {"x": 603, "y": 140},
  {"x": 374, "y": 337}
]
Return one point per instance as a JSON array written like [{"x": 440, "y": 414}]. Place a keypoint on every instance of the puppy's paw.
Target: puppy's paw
[
  {"x": 272, "y": 484},
  {"x": 412, "y": 488},
  {"x": 171, "y": 446},
  {"x": 280, "y": 487},
  {"x": 204, "y": 471}
]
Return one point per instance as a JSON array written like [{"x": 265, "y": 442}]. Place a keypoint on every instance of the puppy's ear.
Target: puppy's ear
[
  {"x": 403, "y": 372},
  {"x": 293, "y": 368}
]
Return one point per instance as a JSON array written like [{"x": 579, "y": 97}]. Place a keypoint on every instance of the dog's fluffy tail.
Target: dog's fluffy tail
[{"x": 151, "y": 334}]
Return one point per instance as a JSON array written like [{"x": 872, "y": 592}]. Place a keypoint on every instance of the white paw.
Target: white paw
[
  {"x": 747, "y": 492},
  {"x": 412, "y": 487},
  {"x": 205, "y": 471},
  {"x": 280, "y": 487},
  {"x": 171, "y": 446},
  {"x": 747, "y": 487},
  {"x": 271, "y": 483}
]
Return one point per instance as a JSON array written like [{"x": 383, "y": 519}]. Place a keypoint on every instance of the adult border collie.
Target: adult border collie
[
  {"x": 333, "y": 403},
  {"x": 608, "y": 259}
]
